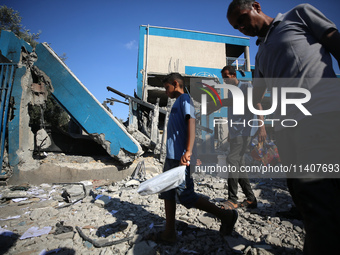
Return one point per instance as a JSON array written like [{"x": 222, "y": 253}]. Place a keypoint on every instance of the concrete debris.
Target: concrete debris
[
  {"x": 133, "y": 183},
  {"x": 42, "y": 139},
  {"x": 141, "y": 138},
  {"x": 39, "y": 94},
  {"x": 139, "y": 172},
  {"x": 113, "y": 218}
]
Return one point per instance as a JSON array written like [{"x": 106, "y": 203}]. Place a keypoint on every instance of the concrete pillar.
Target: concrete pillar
[
  {"x": 132, "y": 114},
  {"x": 154, "y": 123},
  {"x": 163, "y": 145}
]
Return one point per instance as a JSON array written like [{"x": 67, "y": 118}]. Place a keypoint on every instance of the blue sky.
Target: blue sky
[{"x": 100, "y": 38}]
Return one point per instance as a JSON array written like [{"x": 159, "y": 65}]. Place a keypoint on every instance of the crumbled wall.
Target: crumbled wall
[{"x": 26, "y": 141}]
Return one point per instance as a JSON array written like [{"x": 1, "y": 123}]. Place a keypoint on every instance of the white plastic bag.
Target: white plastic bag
[{"x": 165, "y": 181}]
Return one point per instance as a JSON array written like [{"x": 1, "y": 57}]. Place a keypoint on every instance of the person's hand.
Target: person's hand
[
  {"x": 261, "y": 134},
  {"x": 185, "y": 159}
]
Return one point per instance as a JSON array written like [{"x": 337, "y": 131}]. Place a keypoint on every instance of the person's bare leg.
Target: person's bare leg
[
  {"x": 228, "y": 217},
  {"x": 169, "y": 234},
  {"x": 205, "y": 205}
]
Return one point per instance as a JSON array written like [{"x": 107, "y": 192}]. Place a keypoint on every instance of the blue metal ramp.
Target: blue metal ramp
[{"x": 85, "y": 108}]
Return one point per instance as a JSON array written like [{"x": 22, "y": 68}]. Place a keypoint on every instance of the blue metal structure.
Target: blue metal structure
[
  {"x": 72, "y": 95},
  {"x": 14, "y": 123},
  {"x": 6, "y": 80}
]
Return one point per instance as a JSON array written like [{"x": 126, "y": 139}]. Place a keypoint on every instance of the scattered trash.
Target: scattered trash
[
  {"x": 98, "y": 196},
  {"x": 67, "y": 196},
  {"x": 119, "y": 215},
  {"x": 113, "y": 212},
  {"x": 44, "y": 252},
  {"x": 17, "y": 200},
  {"x": 100, "y": 244},
  {"x": 12, "y": 217},
  {"x": 62, "y": 229},
  {"x": 35, "y": 231},
  {"x": 22, "y": 187}
]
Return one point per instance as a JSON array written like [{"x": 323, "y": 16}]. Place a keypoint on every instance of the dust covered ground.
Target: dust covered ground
[{"x": 105, "y": 217}]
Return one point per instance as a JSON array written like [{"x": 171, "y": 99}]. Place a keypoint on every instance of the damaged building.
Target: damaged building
[
  {"x": 195, "y": 55},
  {"x": 31, "y": 77}
]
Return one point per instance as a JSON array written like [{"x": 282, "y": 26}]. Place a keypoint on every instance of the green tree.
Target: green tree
[{"x": 11, "y": 20}]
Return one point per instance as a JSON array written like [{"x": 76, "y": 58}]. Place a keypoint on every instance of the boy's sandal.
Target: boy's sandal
[
  {"x": 157, "y": 238},
  {"x": 228, "y": 229},
  {"x": 249, "y": 204},
  {"x": 228, "y": 205}
]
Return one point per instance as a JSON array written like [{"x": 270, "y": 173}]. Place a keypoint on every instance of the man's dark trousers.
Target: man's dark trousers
[{"x": 238, "y": 147}]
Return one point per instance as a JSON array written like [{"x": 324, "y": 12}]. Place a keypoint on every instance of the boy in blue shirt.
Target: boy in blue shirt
[{"x": 180, "y": 144}]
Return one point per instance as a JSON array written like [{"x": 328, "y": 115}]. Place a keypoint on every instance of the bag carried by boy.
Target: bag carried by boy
[{"x": 163, "y": 182}]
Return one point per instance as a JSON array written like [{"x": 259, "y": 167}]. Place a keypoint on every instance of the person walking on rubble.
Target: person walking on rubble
[
  {"x": 298, "y": 45},
  {"x": 180, "y": 144},
  {"x": 239, "y": 138}
]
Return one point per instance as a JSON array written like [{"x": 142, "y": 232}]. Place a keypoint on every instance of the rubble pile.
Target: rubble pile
[{"x": 101, "y": 217}]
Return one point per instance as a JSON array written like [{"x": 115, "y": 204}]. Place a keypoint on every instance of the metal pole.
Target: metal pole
[{"x": 247, "y": 57}]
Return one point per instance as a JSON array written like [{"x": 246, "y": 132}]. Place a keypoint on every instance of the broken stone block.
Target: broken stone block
[
  {"x": 239, "y": 247},
  {"x": 133, "y": 229},
  {"x": 42, "y": 139},
  {"x": 132, "y": 183},
  {"x": 45, "y": 204},
  {"x": 287, "y": 224},
  {"x": 262, "y": 246},
  {"x": 75, "y": 192},
  {"x": 15, "y": 194},
  {"x": 293, "y": 242},
  {"x": 112, "y": 188},
  {"x": 88, "y": 186},
  {"x": 255, "y": 233},
  {"x": 99, "y": 183},
  {"x": 121, "y": 248},
  {"x": 298, "y": 229},
  {"x": 207, "y": 221},
  {"x": 220, "y": 185},
  {"x": 184, "y": 217},
  {"x": 63, "y": 236},
  {"x": 142, "y": 248},
  {"x": 36, "y": 214},
  {"x": 273, "y": 240},
  {"x": 103, "y": 201}
]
